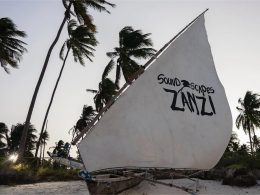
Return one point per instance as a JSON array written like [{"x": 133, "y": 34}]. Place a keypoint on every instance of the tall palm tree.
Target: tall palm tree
[
  {"x": 81, "y": 42},
  {"x": 80, "y": 10},
  {"x": 249, "y": 116},
  {"x": 11, "y": 48},
  {"x": 133, "y": 44},
  {"x": 106, "y": 88}
]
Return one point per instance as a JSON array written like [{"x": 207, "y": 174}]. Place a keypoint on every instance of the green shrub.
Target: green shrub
[
  {"x": 45, "y": 173},
  {"x": 236, "y": 166}
]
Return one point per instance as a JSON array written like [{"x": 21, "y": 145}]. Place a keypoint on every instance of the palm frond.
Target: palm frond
[
  {"x": 98, "y": 102},
  {"x": 82, "y": 15},
  {"x": 92, "y": 90},
  {"x": 82, "y": 42},
  {"x": 96, "y": 5},
  {"x": 112, "y": 54},
  {"x": 142, "y": 53},
  {"x": 72, "y": 24},
  {"x": 108, "y": 69},
  {"x": 62, "y": 51},
  {"x": 11, "y": 48}
]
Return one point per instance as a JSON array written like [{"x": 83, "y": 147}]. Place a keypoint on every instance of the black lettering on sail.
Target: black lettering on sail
[
  {"x": 174, "y": 101},
  {"x": 192, "y": 101},
  {"x": 212, "y": 105},
  {"x": 203, "y": 112},
  {"x": 185, "y": 102}
]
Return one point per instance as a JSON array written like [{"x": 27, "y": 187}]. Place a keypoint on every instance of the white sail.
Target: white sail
[{"x": 174, "y": 115}]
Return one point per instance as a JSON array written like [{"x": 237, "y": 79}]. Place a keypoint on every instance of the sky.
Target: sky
[{"x": 233, "y": 28}]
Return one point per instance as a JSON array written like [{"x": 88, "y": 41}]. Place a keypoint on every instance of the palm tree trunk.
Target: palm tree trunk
[
  {"x": 41, "y": 154},
  {"x": 50, "y": 103},
  {"x": 29, "y": 114},
  {"x": 254, "y": 136},
  {"x": 43, "y": 151},
  {"x": 250, "y": 138}
]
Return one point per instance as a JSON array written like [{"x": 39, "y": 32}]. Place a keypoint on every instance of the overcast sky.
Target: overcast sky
[{"x": 233, "y": 30}]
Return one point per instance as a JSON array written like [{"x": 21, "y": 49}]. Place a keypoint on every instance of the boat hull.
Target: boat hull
[{"x": 106, "y": 184}]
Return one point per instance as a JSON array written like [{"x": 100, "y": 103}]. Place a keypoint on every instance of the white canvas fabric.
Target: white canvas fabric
[{"x": 175, "y": 114}]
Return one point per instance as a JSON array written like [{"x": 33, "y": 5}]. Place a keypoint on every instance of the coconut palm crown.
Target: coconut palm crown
[
  {"x": 88, "y": 114},
  {"x": 80, "y": 10},
  {"x": 133, "y": 45},
  {"x": 106, "y": 88},
  {"x": 81, "y": 41},
  {"x": 11, "y": 47}
]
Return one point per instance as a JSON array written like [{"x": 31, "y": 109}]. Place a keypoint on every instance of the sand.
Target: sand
[
  {"x": 145, "y": 188},
  {"x": 48, "y": 188},
  {"x": 204, "y": 187}
]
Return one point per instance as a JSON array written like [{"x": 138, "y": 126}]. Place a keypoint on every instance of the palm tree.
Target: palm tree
[
  {"x": 80, "y": 10},
  {"x": 15, "y": 138},
  {"x": 233, "y": 144},
  {"x": 106, "y": 88},
  {"x": 249, "y": 116},
  {"x": 45, "y": 137},
  {"x": 59, "y": 147},
  {"x": 4, "y": 139},
  {"x": 243, "y": 150},
  {"x": 4, "y": 135},
  {"x": 88, "y": 114},
  {"x": 256, "y": 142},
  {"x": 133, "y": 44},
  {"x": 11, "y": 48},
  {"x": 81, "y": 42}
]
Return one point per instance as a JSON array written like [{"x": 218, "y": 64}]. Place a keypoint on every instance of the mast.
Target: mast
[{"x": 135, "y": 76}]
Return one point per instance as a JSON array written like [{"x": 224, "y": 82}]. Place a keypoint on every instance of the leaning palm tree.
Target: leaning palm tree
[
  {"x": 11, "y": 47},
  {"x": 133, "y": 44},
  {"x": 106, "y": 89},
  {"x": 81, "y": 42},
  {"x": 78, "y": 8},
  {"x": 249, "y": 117}
]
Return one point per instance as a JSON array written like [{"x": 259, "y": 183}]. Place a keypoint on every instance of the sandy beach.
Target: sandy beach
[{"x": 79, "y": 187}]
